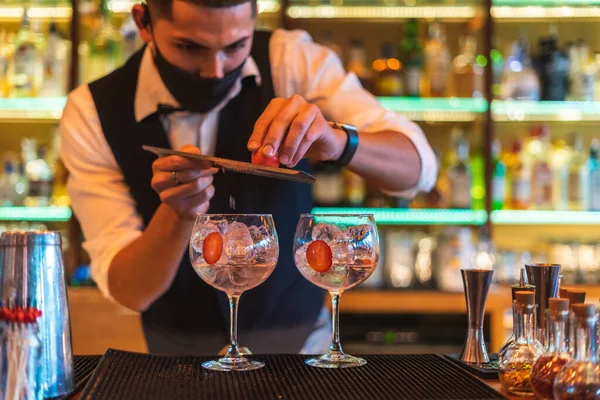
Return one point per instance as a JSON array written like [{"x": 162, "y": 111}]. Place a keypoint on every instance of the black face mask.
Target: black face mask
[{"x": 194, "y": 93}]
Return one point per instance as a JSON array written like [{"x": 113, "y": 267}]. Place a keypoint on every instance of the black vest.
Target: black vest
[{"x": 192, "y": 317}]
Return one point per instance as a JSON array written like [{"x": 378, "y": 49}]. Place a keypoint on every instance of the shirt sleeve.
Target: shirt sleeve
[
  {"x": 99, "y": 196},
  {"x": 300, "y": 66}
]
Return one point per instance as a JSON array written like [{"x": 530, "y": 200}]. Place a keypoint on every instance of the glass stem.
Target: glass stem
[
  {"x": 335, "y": 347},
  {"x": 233, "y": 351}
]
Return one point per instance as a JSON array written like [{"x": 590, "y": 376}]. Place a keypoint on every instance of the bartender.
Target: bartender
[{"x": 207, "y": 82}]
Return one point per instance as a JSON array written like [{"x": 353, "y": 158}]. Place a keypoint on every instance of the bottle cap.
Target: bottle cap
[
  {"x": 576, "y": 297},
  {"x": 525, "y": 297},
  {"x": 558, "y": 304},
  {"x": 584, "y": 310}
]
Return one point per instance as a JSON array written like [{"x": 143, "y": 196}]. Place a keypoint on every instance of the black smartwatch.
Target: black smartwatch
[{"x": 351, "y": 145}]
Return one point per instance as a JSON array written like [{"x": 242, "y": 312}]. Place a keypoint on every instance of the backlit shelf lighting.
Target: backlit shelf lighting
[
  {"x": 538, "y": 217},
  {"x": 42, "y": 214},
  {"x": 374, "y": 12},
  {"x": 542, "y": 111},
  {"x": 433, "y": 110},
  {"x": 33, "y": 109},
  {"x": 391, "y": 216},
  {"x": 124, "y": 6},
  {"x": 546, "y": 3},
  {"x": 542, "y": 13},
  {"x": 55, "y": 13}
]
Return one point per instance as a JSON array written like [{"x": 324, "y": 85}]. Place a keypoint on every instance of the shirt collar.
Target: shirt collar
[{"x": 151, "y": 91}]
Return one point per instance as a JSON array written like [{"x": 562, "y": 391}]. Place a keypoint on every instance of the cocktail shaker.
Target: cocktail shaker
[
  {"x": 545, "y": 278},
  {"x": 32, "y": 275},
  {"x": 477, "y": 284}
]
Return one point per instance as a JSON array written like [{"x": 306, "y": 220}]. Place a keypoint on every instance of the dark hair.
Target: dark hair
[{"x": 164, "y": 7}]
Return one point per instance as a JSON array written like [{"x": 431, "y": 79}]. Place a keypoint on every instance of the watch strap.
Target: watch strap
[{"x": 349, "y": 149}]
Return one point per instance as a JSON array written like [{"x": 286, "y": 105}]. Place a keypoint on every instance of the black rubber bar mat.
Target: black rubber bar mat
[
  {"x": 122, "y": 375},
  {"x": 83, "y": 368},
  {"x": 487, "y": 371}
]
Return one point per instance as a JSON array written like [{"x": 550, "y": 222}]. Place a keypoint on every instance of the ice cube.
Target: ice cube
[
  {"x": 327, "y": 233},
  {"x": 240, "y": 276},
  {"x": 222, "y": 225},
  {"x": 238, "y": 244},
  {"x": 302, "y": 262},
  {"x": 362, "y": 240},
  {"x": 266, "y": 249},
  {"x": 338, "y": 276},
  {"x": 197, "y": 241},
  {"x": 343, "y": 252}
]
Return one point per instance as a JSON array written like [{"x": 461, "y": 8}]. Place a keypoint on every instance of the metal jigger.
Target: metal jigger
[
  {"x": 545, "y": 278},
  {"x": 477, "y": 284}
]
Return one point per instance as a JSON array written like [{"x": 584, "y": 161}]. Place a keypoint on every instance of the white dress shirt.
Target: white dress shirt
[{"x": 101, "y": 199}]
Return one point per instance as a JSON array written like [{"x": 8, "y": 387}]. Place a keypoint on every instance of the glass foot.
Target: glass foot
[
  {"x": 336, "y": 360},
  {"x": 233, "y": 364}
]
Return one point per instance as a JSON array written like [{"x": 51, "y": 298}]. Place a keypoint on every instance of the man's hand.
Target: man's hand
[
  {"x": 184, "y": 185},
  {"x": 295, "y": 129}
]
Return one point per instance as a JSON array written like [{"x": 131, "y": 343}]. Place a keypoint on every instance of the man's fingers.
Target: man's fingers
[
  {"x": 311, "y": 136},
  {"x": 185, "y": 191},
  {"x": 280, "y": 125},
  {"x": 297, "y": 132},
  {"x": 263, "y": 123},
  {"x": 163, "y": 180},
  {"x": 197, "y": 203}
]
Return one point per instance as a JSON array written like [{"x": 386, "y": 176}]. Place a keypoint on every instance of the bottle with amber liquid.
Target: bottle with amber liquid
[
  {"x": 515, "y": 366},
  {"x": 579, "y": 379},
  {"x": 547, "y": 366},
  {"x": 388, "y": 79}
]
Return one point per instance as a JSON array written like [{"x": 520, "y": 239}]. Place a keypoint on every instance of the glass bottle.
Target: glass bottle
[
  {"x": 520, "y": 178},
  {"x": 515, "y": 366},
  {"x": 547, "y": 366},
  {"x": 597, "y": 77},
  {"x": 523, "y": 285},
  {"x": 541, "y": 173},
  {"x": 520, "y": 82},
  {"x": 577, "y": 196},
  {"x": 328, "y": 189},
  {"x": 357, "y": 64},
  {"x": 6, "y": 63},
  {"x": 560, "y": 158},
  {"x": 411, "y": 55},
  {"x": 468, "y": 74},
  {"x": 388, "y": 81},
  {"x": 355, "y": 189},
  {"x": 27, "y": 65},
  {"x": 499, "y": 177},
  {"x": 593, "y": 184},
  {"x": 437, "y": 61},
  {"x": 55, "y": 64},
  {"x": 460, "y": 177},
  {"x": 580, "y": 377},
  {"x": 553, "y": 68},
  {"x": 101, "y": 53}
]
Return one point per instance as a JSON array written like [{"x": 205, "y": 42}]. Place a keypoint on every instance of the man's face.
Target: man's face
[{"x": 207, "y": 42}]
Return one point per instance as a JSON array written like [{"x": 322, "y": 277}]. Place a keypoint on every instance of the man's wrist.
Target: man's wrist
[{"x": 342, "y": 139}]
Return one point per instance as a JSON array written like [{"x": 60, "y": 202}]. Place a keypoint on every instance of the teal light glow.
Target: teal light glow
[
  {"x": 49, "y": 214},
  {"x": 392, "y": 216},
  {"x": 516, "y": 217},
  {"x": 545, "y": 111},
  {"x": 32, "y": 108}
]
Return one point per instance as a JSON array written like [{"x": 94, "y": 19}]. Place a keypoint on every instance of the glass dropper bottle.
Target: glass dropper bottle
[
  {"x": 516, "y": 363},
  {"x": 523, "y": 285},
  {"x": 580, "y": 377},
  {"x": 547, "y": 366}
]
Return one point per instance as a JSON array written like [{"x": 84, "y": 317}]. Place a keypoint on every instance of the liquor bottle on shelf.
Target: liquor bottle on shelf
[
  {"x": 477, "y": 167},
  {"x": 100, "y": 55},
  {"x": 520, "y": 178},
  {"x": 541, "y": 173},
  {"x": 468, "y": 75},
  {"x": 357, "y": 64},
  {"x": 520, "y": 82},
  {"x": 328, "y": 189},
  {"x": 354, "y": 189},
  {"x": 28, "y": 70},
  {"x": 497, "y": 69},
  {"x": 553, "y": 68},
  {"x": 6, "y": 63},
  {"x": 597, "y": 77},
  {"x": 55, "y": 64},
  {"x": 593, "y": 184},
  {"x": 560, "y": 157},
  {"x": 460, "y": 177},
  {"x": 130, "y": 37},
  {"x": 577, "y": 195},
  {"x": 499, "y": 177},
  {"x": 582, "y": 72},
  {"x": 437, "y": 62},
  {"x": 411, "y": 56},
  {"x": 39, "y": 174},
  {"x": 8, "y": 181},
  {"x": 388, "y": 79}
]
